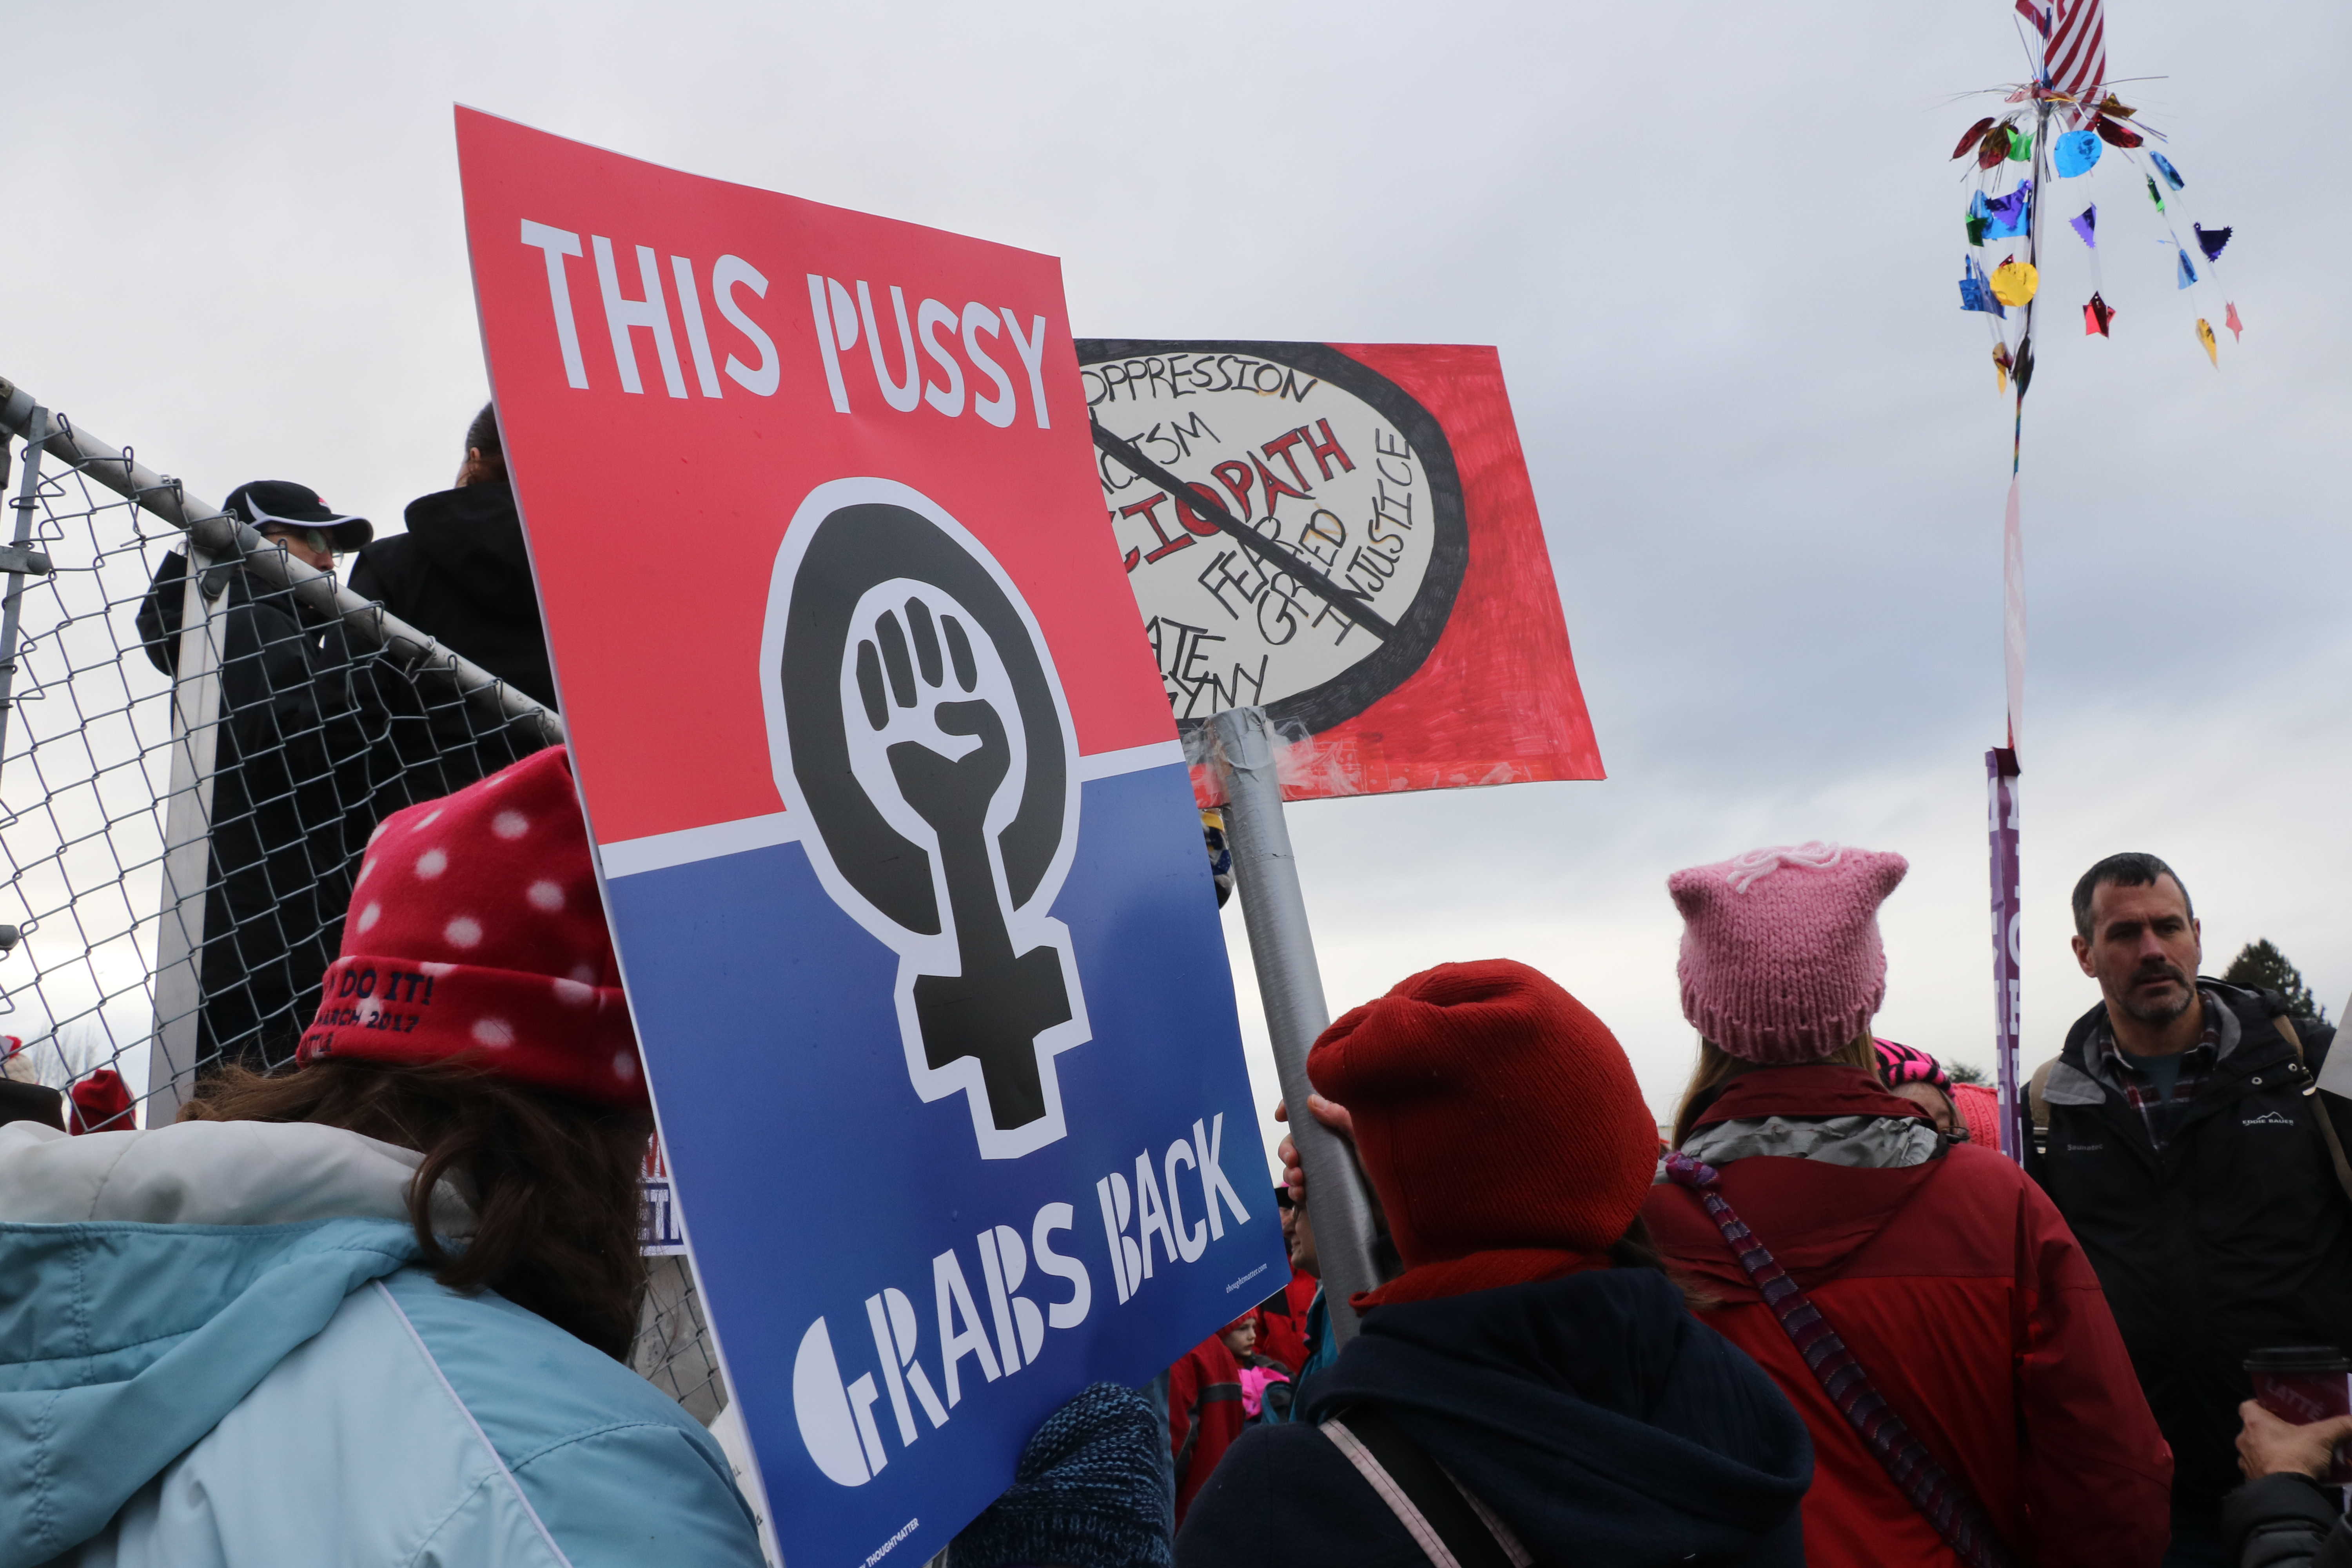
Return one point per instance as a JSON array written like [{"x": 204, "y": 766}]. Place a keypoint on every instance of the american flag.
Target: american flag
[{"x": 2074, "y": 59}]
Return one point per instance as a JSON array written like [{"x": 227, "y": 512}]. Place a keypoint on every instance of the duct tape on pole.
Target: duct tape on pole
[{"x": 1282, "y": 950}]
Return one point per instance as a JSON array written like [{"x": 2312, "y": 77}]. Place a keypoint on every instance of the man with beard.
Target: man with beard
[{"x": 2185, "y": 1152}]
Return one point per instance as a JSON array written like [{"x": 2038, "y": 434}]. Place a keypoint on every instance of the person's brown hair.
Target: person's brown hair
[
  {"x": 1637, "y": 1248},
  {"x": 552, "y": 1181},
  {"x": 1717, "y": 1067}
]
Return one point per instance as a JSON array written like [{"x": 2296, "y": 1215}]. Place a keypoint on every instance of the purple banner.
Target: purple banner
[{"x": 2001, "y": 823}]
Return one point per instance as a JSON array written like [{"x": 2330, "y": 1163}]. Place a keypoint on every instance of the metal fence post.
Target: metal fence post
[
  {"x": 172, "y": 1050},
  {"x": 1282, "y": 950},
  {"x": 17, "y": 560}
]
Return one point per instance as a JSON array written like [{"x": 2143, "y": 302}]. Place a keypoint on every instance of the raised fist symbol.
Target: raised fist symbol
[
  {"x": 918, "y": 680},
  {"x": 949, "y": 756},
  {"x": 921, "y": 738}
]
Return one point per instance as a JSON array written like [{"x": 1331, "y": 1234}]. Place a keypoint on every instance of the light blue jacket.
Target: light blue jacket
[{"x": 252, "y": 1394}]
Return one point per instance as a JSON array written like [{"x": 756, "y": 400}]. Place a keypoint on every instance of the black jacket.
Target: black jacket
[
  {"x": 461, "y": 573},
  {"x": 2235, "y": 1237},
  {"x": 2285, "y": 1522},
  {"x": 1601, "y": 1422}
]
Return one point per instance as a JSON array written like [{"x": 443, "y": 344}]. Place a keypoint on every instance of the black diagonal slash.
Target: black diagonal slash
[{"x": 1346, "y": 601}]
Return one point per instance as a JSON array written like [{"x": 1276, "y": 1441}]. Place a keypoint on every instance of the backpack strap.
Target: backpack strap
[
  {"x": 2319, "y": 1107},
  {"x": 1453, "y": 1528},
  {"x": 2037, "y": 1095},
  {"x": 1945, "y": 1501}
]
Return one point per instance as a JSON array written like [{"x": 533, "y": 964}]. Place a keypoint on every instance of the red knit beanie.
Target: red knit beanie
[
  {"x": 99, "y": 1103},
  {"x": 1979, "y": 1111},
  {"x": 475, "y": 929},
  {"x": 1493, "y": 1113}
]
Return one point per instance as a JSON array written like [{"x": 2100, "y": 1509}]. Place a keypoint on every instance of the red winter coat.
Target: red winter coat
[
  {"x": 1970, "y": 1305},
  {"x": 1282, "y": 1335},
  {"x": 1204, "y": 1415}
]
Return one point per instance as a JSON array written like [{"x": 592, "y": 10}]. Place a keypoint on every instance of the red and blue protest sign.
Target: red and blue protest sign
[{"x": 896, "y": 832}]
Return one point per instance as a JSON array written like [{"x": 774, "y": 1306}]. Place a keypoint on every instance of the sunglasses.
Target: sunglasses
[{"x": 309, "y": 538}]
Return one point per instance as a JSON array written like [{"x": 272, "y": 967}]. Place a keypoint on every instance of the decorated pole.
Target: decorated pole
[
  {"x": 2000, "y": 764},
  {"x": 2073, "y": 121}
]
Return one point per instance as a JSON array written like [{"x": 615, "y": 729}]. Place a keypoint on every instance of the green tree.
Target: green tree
[
  {"x": 1964, "y": 1072},
  {"x": 2263, "y": 967}
]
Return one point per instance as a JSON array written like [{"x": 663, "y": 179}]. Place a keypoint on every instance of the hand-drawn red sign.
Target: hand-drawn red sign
[{"x": 1388, "y": 599}]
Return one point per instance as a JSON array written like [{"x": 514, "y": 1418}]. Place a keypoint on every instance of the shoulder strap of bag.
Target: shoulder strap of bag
[
  {"x": 1936, "y": 1492},
  {"x": 2319, "y": 1108},
  {"x": 1453, "y": 1528},
  {"x": 2037, "y": 1095}
]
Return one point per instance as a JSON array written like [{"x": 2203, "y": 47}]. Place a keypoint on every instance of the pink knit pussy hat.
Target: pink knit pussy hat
[{"x": 1781, "y": 961}]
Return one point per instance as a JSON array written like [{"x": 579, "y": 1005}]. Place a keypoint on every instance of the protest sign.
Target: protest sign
[
  {"x": 659, "y": 1234},
  {"x": 894, "y": 826},
  {"x": 1388, "y": 600}
]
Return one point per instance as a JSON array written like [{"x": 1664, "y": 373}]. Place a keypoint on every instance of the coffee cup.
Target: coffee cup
[{"x": 2304, "y": 1384}]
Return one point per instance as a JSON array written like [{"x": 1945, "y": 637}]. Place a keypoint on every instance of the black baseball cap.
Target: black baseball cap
[{"x": 296, "y": 506}]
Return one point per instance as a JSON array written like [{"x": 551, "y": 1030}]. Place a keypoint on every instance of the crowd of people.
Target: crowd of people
[
  {"x": 1989, "y": 1365},
  {"x": 372, "y": 1296}
]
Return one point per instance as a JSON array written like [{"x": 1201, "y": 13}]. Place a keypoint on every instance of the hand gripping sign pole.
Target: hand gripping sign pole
[
  {"x": 1338, "y": 1205},
  {"x": 1283, "y": 951}
]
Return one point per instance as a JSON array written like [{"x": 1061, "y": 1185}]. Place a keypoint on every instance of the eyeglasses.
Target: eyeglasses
[{"x": 312, "y": 539}]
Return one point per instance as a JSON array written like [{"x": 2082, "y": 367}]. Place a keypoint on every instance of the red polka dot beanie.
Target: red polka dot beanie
[
  {"x": 476, "y": 931},
  {"x": 1781, "y": 961}
]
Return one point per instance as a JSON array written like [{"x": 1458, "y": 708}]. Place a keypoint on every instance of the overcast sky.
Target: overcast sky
[{"x": 1716, "y": 246}]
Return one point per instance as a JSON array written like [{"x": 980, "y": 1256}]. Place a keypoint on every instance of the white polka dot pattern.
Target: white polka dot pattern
[{"x": 481, "y": 932}]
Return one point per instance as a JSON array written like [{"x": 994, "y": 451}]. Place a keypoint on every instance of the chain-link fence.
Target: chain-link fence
[{"x": 198, "y": 733}]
